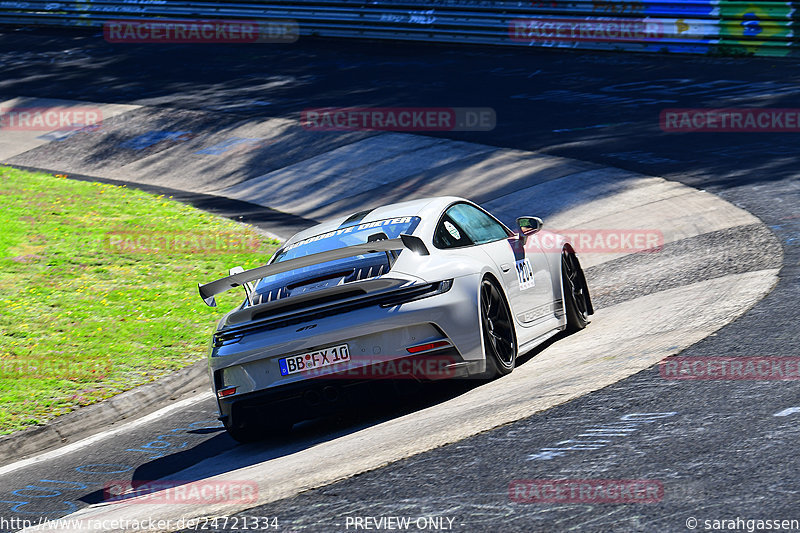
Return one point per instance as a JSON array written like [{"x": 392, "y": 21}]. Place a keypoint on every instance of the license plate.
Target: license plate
[{"x": 314, "y": 360}]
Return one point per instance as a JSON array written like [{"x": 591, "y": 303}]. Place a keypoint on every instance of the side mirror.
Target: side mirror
[{"x": 529, "y": 225}]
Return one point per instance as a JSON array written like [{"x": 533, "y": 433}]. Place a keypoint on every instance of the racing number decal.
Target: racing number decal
[{"x": 525, "y": 274}]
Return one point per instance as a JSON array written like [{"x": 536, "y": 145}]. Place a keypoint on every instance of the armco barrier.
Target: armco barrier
[{"x": 688, "y": 26}]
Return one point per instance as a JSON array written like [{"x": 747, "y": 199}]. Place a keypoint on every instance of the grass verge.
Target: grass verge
[{"x": 98, "y": 290}]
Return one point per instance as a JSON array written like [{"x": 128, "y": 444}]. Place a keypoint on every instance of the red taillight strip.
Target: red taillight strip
[
  {"x": 428, "y": 346},
  {"x": 226, "y": 392}
]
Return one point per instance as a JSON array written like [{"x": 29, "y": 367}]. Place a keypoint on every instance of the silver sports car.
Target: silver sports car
[{"x": 425, "y": 290}]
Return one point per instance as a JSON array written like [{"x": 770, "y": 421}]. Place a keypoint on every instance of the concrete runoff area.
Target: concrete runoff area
[{"x": 334, "y": 174}]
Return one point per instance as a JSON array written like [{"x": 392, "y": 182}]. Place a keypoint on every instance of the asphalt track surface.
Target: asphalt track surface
[{"x": 721, "y": 452}]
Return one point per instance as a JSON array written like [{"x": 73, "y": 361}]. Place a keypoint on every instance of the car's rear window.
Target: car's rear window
[
  {"x": 348, "y": 236},
  {"x": 338, "y": 271}
]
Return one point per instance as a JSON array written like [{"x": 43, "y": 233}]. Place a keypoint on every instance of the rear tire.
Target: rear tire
[
  {"x": 499, "y": 339},
  {"x": 577, "y": 302}
]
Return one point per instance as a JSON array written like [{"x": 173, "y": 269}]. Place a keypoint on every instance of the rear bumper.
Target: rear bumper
[
  {"x": 376, "y": 336},
  {"x": 311, "y": 398}
]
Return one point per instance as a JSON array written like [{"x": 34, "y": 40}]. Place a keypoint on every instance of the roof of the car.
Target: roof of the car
[{"x": 420, "y": 208}]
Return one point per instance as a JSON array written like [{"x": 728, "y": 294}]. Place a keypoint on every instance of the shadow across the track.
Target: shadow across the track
[{"x": 380, "y": 402}]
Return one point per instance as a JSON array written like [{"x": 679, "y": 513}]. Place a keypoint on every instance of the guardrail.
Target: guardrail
[{"x": 690, "y": 26}]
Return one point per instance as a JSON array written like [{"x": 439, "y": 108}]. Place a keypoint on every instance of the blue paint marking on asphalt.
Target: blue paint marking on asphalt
[
  {"x": 70, "y": 508},
  {"x": 57, "y": 136},
  {"x": 182, "y": 444},
  {"x": 791, "y": 236},
  {"x": 48, "y": 488},
  {"x": 157, "y": 444},
  {"x": 16, "y": 507},
  {"x": 125, "y": 468},
  {"x": 62, "y": 135},
  {"x": 151, "y": 456},
  {"x": 50, "y": 493},
  {"x": 224, "y": 146},
  {"x": 75, "y": 484},
  {"x": 154, "y": 137}
]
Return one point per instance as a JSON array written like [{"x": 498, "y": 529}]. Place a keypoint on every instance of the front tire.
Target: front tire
[
  {"x": 577, "y": 302},
  {"x": 499, "y": 339}
]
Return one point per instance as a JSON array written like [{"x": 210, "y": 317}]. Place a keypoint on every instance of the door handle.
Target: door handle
[{"x": 505, "y": 267}]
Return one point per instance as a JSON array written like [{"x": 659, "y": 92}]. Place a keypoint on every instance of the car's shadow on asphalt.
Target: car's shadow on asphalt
[{"x": 220, "y": 453}]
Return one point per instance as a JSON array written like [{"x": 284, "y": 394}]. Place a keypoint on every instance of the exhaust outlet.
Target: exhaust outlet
[
  {"x": 312, "y": 398},
  {"x": 330, "y": 394}
]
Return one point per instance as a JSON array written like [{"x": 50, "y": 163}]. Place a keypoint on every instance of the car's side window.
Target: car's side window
[
  {"x": 480, "y": 227},
  {"x": 449, "y": 234}
]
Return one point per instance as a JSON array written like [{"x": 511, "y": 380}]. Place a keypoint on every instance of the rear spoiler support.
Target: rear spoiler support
[{"x": 209, "y": 290}]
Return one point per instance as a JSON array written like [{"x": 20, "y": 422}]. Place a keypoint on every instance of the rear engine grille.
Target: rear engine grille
[{"x": 392, "y": 298}]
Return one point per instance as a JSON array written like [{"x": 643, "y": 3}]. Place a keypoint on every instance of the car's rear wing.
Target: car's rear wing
[{"x": 221, "y": 285}]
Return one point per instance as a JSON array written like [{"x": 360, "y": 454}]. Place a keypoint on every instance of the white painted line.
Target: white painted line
[
  {"x": 788, "y": 411},
  {"x": 104, "y": 435}
]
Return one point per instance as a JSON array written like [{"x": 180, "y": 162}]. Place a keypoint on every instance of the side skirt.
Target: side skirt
[{"x": 533, "y": 343}]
